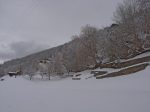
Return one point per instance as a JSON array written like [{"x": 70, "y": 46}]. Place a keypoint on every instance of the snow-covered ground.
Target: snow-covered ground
[
  {"x": 119, "y": 94},
  {"x": 136, "y": 57}
]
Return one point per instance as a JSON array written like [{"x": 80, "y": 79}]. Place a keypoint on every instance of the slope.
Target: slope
[{"x": 120, "y": 94}]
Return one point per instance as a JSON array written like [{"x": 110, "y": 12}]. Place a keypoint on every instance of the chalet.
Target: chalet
[{"x": 14, "y": 73}]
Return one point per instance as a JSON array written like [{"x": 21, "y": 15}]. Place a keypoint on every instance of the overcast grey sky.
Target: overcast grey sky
[{"x": 28, "y": 26}]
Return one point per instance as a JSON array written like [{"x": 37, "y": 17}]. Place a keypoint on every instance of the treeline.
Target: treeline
[{"x": 128, "y": 36}]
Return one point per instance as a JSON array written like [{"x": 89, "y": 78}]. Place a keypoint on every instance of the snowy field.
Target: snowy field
[{"x": 119, "y": 94}]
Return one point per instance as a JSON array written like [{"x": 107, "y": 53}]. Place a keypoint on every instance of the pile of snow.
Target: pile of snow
[{"x": 119, "y": 94}]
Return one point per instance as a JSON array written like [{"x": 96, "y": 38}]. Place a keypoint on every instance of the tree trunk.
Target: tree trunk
[
  {"x": 49, "y": 77},
  {"x": 30, "y": 77}
]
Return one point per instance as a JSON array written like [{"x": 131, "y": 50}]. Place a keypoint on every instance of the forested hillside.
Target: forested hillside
[{"x": 128, "y": 36}]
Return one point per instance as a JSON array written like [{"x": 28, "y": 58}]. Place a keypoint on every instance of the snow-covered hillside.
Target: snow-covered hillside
[{"x": 119, "y": 94}]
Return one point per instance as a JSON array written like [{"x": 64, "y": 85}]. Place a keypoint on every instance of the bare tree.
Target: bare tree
[
  {"x": 66, "y": 58},
  {"x": 43, "y": 67},
  {"x": 89, "y": 36},
  {"x": 50, "y": 68},
  {"x": 33, "y": 69},
  {"x": 128, "y": 17}
]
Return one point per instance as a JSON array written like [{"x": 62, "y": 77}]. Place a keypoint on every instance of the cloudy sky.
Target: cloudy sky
[{"x": 28, "y": 26}]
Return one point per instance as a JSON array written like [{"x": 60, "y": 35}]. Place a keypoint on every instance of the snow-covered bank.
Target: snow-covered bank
[
  {"x": 136, "y": 57},
  {"x": 119, "y": 94}
]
